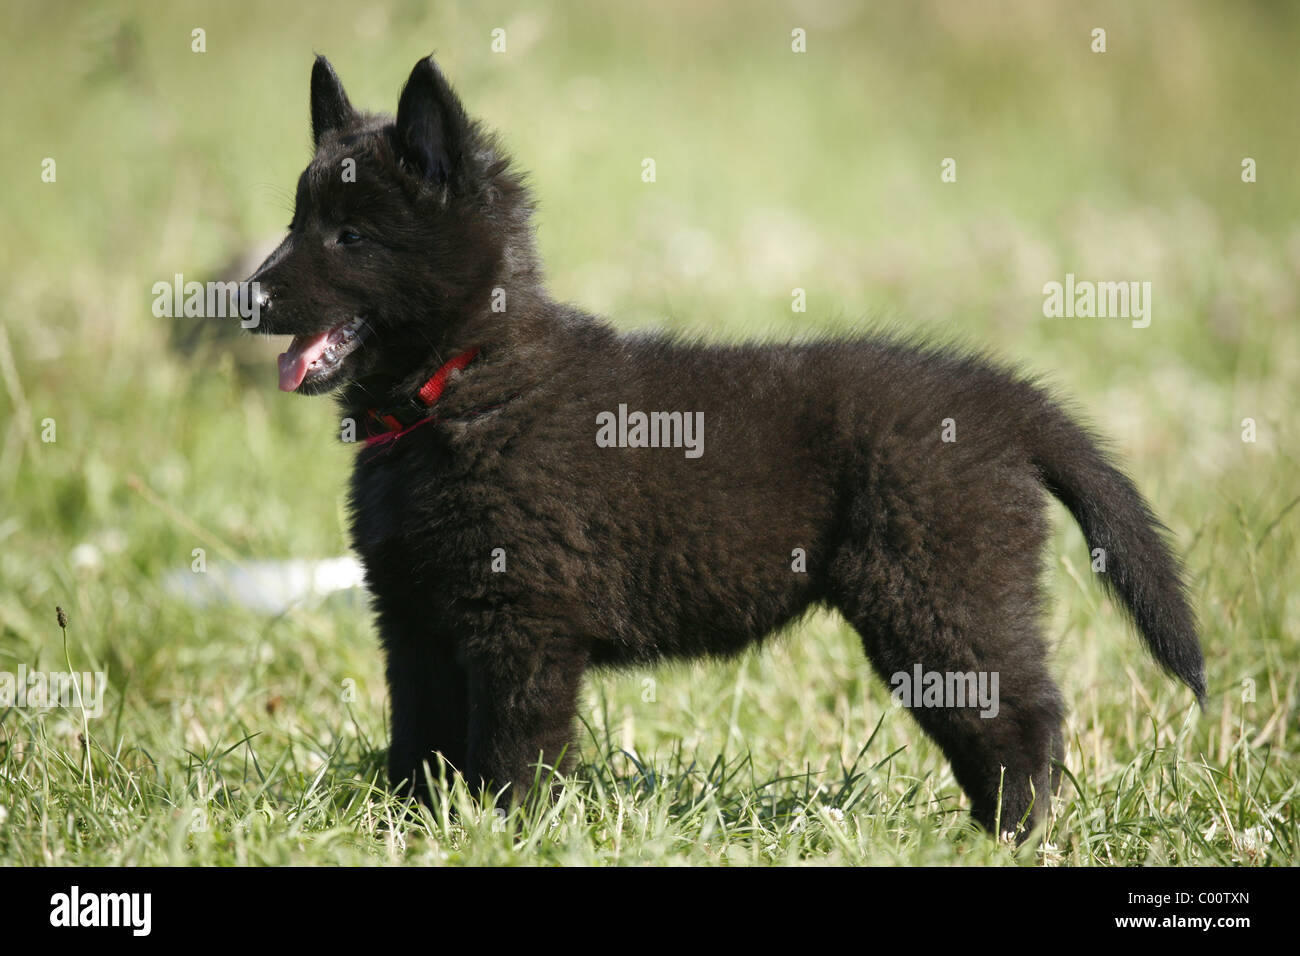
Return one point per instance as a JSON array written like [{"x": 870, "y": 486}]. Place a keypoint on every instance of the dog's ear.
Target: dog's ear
[
  {"x": 330, "y": 109},
  {"x": 432, "y": 128}
]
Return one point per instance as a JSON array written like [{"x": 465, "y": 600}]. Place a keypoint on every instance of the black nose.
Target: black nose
[
  {"x": 253, "y": 294},
  {"x": 254, "y": 304}
]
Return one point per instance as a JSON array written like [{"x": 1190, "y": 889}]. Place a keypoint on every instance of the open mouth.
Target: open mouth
[{"x": 315, "y": 359}]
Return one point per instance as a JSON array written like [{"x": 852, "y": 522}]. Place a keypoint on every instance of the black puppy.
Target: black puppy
[{"x": 535, "y": 494}]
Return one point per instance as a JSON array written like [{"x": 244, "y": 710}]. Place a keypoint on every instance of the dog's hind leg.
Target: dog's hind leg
[
  {"x": 944, "y": 594},
  {"x": 1001, "y": 731}
]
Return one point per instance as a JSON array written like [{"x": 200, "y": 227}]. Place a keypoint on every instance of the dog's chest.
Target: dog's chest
[
  {"x": 412, "y": 508},
  {"x": 379, "y": 499}
]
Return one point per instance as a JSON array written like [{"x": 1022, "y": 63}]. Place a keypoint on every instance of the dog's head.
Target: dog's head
[{"x": 401, "y": 230}]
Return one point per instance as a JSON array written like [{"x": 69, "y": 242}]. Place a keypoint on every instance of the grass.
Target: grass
[{"x": 233, "y": 737}]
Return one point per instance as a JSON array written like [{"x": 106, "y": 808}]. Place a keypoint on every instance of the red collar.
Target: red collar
[{"x": 387, "y": 424}]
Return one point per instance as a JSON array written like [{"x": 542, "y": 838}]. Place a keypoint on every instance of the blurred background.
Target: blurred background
[{"x": 776, "y": 170}]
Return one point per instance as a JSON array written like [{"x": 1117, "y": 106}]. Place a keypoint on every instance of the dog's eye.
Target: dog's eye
[{"x": 348, "y": 236}]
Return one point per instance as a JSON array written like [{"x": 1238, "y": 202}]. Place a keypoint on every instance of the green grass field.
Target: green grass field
[{"x": 231, "y": 736}]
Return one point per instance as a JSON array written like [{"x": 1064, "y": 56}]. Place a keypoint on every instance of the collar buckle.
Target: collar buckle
[{"x": 415, "y": 409}]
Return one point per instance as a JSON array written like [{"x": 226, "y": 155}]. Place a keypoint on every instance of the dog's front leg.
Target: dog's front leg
[
  {"x": 523, "y": 701},
  {"x": 428, "y": 694}
]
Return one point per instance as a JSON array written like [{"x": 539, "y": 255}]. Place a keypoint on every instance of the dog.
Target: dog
[{"x": 536, "y": 495}]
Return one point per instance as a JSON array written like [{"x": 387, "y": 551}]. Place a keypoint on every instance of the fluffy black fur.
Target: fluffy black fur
[{"x": 614, "y": 556}]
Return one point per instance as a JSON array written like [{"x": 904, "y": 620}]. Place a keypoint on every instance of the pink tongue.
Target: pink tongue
[{"x": 303, "y": 350}]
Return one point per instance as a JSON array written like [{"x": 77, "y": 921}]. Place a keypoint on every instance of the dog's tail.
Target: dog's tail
[{"x": 1140, "y": 568}]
